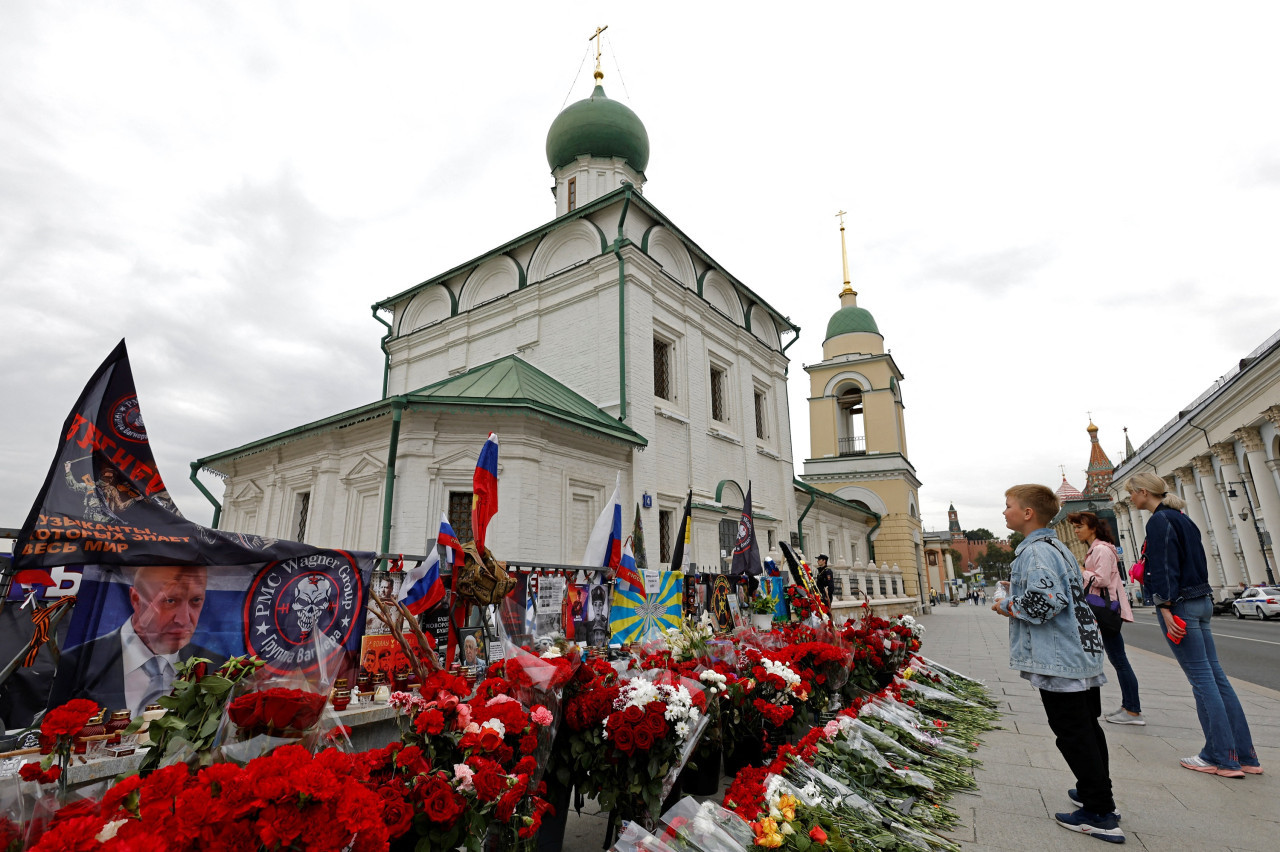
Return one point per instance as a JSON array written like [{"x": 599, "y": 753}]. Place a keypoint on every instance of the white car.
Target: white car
[{"x": 1262, "y": 601}]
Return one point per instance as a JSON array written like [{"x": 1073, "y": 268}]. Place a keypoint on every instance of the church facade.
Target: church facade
[{"x": 604, "y": 344}]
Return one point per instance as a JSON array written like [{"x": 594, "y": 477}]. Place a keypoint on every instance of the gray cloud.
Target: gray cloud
[{"x": 992, "y": 273}]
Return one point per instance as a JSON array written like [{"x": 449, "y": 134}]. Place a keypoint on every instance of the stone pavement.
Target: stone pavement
[{"x": 1024, "y": 780}]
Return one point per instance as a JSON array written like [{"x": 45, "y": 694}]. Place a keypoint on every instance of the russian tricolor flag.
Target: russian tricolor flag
[
  {"x": 484, "y": 487},
  {"x": 423, "y": 587},
  {"x": 604, "y": 547}
]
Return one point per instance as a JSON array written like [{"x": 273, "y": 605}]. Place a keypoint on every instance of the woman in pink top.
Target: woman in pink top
[{"x": 1103, "y": 567}]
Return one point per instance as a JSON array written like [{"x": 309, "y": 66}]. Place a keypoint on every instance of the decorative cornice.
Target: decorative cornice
[{"x": 1249, "y": 436}]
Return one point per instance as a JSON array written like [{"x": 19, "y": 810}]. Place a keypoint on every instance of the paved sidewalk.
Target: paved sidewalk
[{"x": 1024, "y": 779}]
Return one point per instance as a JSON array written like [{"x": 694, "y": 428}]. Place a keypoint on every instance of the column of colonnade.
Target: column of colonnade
[
  {"x": 1195, "y": 511},
  {"x": 1232, "y": 480},
  {"x": 1219, "y": 528}
]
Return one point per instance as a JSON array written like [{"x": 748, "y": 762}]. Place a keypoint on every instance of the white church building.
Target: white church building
[{"x": 604, "y": 342}]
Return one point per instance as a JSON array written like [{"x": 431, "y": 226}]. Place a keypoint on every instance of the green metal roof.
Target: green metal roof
[
  {"x": 510, "y": 382},
  {"x": 839, "y": 501},
  {"x": 598, "y": 127},
  {"x": 851, "y": 319},
  {"x": 508, "y": 385}
]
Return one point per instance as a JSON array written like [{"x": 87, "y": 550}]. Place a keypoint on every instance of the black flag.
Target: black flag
[
  {"x": 682, "y": 553},
  {"x": 105, "y": 503},
  {"x": 746, "y": 550}
]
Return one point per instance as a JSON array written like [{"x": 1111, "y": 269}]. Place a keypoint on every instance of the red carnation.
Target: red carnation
[
  {"x": 429, "y": 722},
  {"x": 528, "y": 744},
  {"x": 69, "y": 719},
  {"x": 489, "y": 784}
]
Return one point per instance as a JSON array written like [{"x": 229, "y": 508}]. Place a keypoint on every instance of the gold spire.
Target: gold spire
[
  {"x": 844, "y": 256},
  {"x": 599, "y": 75}
]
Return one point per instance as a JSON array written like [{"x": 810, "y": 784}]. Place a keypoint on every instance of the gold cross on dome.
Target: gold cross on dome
[
  {"x": 841, "y": 216},
  {"x": 599, "y": 74},
  {"x": 596, "y": 36}
]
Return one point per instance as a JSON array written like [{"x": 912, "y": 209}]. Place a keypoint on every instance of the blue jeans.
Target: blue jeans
[
  {"x": 1124, "y": 672},
  {"x": 1227, "y": 743}
]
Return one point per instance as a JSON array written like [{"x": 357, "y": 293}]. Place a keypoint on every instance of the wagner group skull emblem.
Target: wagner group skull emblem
[{"x": 312, "y": 598}]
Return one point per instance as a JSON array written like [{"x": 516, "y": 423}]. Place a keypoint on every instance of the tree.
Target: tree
[
  {"x": 980, "y": 534},
  {"x": 994, "y": 561},
  {"x": 1015, "y": 539}
]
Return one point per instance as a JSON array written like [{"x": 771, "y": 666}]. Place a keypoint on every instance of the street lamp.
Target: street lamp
[{"x": 1244, "y": 516}]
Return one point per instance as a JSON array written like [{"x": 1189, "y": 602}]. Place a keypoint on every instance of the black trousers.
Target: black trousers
[{"x": 1073, "y": 718}]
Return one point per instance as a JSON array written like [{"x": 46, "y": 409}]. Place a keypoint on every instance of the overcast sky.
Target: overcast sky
[{"x": 1049, "y": 213}]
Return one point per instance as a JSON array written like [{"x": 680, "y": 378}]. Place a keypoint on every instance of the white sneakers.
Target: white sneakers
[{"x": 1124, "y": 717}]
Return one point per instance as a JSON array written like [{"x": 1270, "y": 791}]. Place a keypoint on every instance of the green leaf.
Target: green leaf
[
  {"x": 210, "y": 727},
  {"x": 216, "y": 685}
]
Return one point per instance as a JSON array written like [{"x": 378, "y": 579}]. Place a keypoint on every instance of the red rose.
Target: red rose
[
  {"x": 439, "y": 802},
  {"x": 656, "y": 725},
  {"x": 490, "y": 739},
  {"x": 624, "y": 739},
  {"x": 817, "y": 835},
  {"x": 633, "y": 715},
  {"x": 398, "y": 815},
  {"x": 643, "y": 738},
  {"x": 244, "y": 711}
]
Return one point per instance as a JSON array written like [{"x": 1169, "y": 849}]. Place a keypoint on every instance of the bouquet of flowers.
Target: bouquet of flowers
[
  {"x": 490, "y": 743},
  {"x": 648, "y": 735},
  {"x": 194, "y": 708},
  {"x": 802, "y": 605}
]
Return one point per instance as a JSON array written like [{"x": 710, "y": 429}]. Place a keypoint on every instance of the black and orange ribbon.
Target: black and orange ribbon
[{"x": 41, "y": 618}]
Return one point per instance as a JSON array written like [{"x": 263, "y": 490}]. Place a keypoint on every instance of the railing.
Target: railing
[{"x": 856, "y": 446}]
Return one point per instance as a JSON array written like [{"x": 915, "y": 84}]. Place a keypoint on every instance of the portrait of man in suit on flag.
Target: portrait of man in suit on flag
[{"x": 134, "y": 664}]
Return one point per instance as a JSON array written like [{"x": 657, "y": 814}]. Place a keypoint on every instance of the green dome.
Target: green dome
[
  {"x": 850, "y": 319},
  {"x": 599, "y": 127}
]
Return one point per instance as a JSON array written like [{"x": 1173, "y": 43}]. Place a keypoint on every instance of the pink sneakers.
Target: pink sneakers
[{"x": 1196, "y": 764}]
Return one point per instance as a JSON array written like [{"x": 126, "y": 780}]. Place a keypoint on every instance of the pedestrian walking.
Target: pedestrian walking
[
  {"x": 1102, "y": 566},
  {"x": 1054, "y": 643},
  {"x": 1177, "y": 577}
]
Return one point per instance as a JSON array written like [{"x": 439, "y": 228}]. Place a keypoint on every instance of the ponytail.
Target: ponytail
[{"x": 1149, "y": 482}]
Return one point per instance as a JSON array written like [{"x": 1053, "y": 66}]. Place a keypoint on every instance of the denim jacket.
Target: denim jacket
[
  {"x": 1175, "y": 563},
  {"x": 1052, "y": 631}
]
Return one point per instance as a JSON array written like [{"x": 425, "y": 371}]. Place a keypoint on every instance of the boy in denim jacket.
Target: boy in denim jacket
[{"x": 1054, "y": 642}]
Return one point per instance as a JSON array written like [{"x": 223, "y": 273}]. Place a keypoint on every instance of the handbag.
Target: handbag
[
  {"x": 482, "y": 579},
  {"x": 1138, "y": 571},
  {"x": 1105, "y": 611}
]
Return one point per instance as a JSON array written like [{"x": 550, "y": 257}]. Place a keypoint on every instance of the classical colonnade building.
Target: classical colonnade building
[{"x": 1222, "y": 455}]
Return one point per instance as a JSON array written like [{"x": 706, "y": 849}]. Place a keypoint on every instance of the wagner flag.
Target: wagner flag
[
  {"x": 746, "y": 550},
  {"x": 158, "y": 589}
]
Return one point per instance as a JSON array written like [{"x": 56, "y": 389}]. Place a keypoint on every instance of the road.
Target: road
[{"x": 1248, "y": 649}]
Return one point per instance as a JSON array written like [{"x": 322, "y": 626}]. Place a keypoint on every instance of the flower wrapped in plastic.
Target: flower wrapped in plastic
[
  {"x": 705, "y": 827},
  {"x": 648, "y": 736},
  {"x": 269, "y": 710}
]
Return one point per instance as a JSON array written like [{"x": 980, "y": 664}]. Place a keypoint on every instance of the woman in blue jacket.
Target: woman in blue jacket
[{"x": 1178, "y": 578}]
